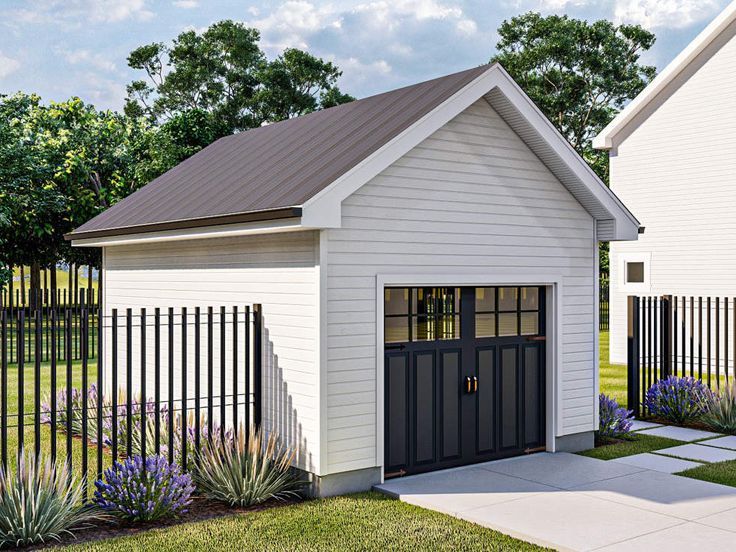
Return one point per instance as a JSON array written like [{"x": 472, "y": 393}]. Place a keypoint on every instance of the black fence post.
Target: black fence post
[
  {"x": 633, "y": 360},
  {"x": 257, "y": 365},
  {"x": 666, "y": 337}
]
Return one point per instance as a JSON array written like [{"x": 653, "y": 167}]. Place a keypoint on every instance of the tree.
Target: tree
[
  {"x": 66, "y": 162},
  {"x": 580, "y": 74},
  {"x": 223, "y": 73}
]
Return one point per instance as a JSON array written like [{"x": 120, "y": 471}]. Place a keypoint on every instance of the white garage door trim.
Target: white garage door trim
[{"x": 550, "y": 279}]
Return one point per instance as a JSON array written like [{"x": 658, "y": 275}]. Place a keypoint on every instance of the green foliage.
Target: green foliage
[
  {"x": 720, "y": 410},
  {"x": 246, "y": 470},
  {"x": 40, "y": 502},
  {"x": 223, "y": 73},
  {"x": 579, "y": 73},
  {"x": 66, "y": 163}
]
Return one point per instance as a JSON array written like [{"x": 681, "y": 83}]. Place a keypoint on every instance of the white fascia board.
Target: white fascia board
[
  {"x": 324, "y": 209},
  {"x": 604, "y": 140},
  {"x": 627, "y": 226},
  {"x": 220, "y": 231}
]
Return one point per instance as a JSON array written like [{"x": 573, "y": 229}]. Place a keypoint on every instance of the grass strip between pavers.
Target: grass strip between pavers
[
  {"x": 723, "y": 473},
  {"x": 638, "y": 443},
  {"x": 365, "y": 521}
]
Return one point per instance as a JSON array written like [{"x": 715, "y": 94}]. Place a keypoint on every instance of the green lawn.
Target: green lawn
[
  {"x": 28, "y": 405},
  {"x": 718, "y": 472},
  {"x": 612, "y": 376},
  {"x": 638, "y": 443},
  {"x": 367, "y": 521}
]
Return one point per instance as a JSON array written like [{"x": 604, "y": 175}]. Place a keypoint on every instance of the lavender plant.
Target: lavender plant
[
  {"x": 614, "y": 421},
  {"x": 678, "y": 400},
  {"x": 144, "y": 491}
]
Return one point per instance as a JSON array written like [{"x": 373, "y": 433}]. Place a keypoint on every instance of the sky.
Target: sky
[{"x": 64, "y": 48}]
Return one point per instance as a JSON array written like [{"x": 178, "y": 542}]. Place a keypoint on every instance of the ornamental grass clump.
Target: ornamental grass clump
[
  {"x": 720, "y": 410},
  {"x": 677, "y": 400},
  {"x": 40, "y": 502},
  {"x": 614, "y": 420},
  {"x": 246, "y": 470},
  {"x": 139, "y": 490}
]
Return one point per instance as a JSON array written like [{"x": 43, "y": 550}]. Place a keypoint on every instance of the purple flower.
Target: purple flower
[
  {"x": 144, "y": 491},
  {"x": 677, "y": 400},
  {"x": 614, "y": 421}
]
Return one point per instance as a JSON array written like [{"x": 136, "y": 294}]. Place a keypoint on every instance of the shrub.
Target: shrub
[
  {"x": 246, "y": 470},
  {"x": 40, "y": 502},
  {"x": 76, "y": 407},
  {"x": 720, "y": 410},
  {"x": 144, "y": 491},
  {"x": 614, "y": 421},
  {"x": 677, "y": 400}
]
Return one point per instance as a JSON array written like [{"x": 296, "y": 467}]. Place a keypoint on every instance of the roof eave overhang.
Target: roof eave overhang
[{"x": 256, "y": 222}]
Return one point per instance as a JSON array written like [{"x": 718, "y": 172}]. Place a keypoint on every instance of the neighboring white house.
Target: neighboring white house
[
  {"x": 673, "y": 162},
  {"x": 427, "y": 264}
]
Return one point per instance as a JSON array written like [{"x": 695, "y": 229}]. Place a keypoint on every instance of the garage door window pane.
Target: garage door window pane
[
  {"x": 448, "y": 327},
  {"x": 396, "y": 329},
  {"x": 423, "y": 328},
  {"x": 507, "y": 299},
  {"x": 396, "y": 301},
  {"x": 508, "y": 324},
  {"x": 529, "y": 323},
  {"x": 485, "y": 325},
  {"x": 485, "y": 299},
  {"x": 529, "y": 298}
]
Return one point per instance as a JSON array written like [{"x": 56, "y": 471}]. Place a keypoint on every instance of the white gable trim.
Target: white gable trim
[
  {"x": 605, "y": 139},
  {"x": 324, "y": 209}
]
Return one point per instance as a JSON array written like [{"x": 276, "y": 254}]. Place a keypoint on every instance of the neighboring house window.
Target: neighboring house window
[{"x": 634, "y": 270}]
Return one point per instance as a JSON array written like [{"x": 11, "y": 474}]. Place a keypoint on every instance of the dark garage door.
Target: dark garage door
[{"x": 464, "y": 375}]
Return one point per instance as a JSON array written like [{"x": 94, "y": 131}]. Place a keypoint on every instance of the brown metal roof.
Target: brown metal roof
[{"x": 269, "y": 171}]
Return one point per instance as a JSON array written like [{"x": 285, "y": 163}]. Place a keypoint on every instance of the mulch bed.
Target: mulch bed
[{"x": 201, "y": 509}]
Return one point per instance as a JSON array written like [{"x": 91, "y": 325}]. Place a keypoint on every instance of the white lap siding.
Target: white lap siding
[
  {"x": 676, "y": 172},
  {"x": 471, "y": 195},
  {"x": 277, "y": 271}
]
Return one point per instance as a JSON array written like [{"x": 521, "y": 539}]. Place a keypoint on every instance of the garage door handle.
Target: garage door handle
[
  {"x": 468, "y": 385},
  {"x": 537, "y": 338},
  {"x": 475, "y": 384},
  {"x": 394, "y": 347}
]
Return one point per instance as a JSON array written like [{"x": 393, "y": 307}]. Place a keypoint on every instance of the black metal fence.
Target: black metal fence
[
  {"x": 603, "y": 309},
  {"x": 681, "y": 336},
  {"x": 160, "y": 381},
  {"x": 21, "y": 318}
]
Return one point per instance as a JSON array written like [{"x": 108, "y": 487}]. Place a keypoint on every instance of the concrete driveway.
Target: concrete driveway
[{"x": 571, "y": 502}]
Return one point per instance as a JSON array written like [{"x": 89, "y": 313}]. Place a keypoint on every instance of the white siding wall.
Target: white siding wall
[
  {"x": 276, "y": 270},
  {"x": 677, "y": 174},
  {"x": 471, "y": 195}
]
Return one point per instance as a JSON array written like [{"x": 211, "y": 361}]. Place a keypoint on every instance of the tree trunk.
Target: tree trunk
[{"x": 35, "y": 299}]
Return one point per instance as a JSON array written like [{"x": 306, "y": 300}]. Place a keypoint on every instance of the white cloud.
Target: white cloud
[
  {"x": 88, "y": 59},
  {"x": 77, "y": 12},
  {"x": 672, "y": 14},
  {"x": 8, "y": 65},
  {"x": 186, "y": 4}
]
